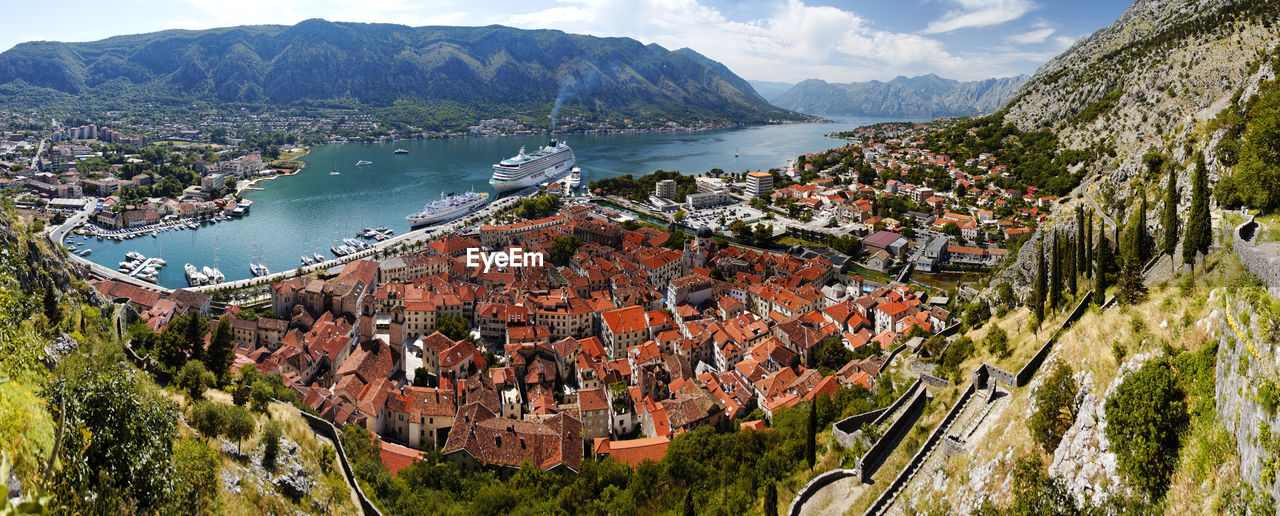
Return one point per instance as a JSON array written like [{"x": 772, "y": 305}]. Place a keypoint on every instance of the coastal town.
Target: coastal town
[{"x": 790, "y": 284}]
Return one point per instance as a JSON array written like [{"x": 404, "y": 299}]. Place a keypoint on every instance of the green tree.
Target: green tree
[
  {"x": 952, "y": 229},
  {"x": 221, "y": 349},
  {"x": 209, "y": 418},
  {"x": 453, "y": 326},
  {"x": 271, "y": 433},
  {"x": 196, "y": 482},
  {"x": 1169, "y": 219},
  {"x": 194, "y": 330},
  {"x": 260, "y": 394},
  {"x": 52, "y": 310},
  {"x": 1145, "y": 417},
  {"x": 771, "y": 499},
  {"x": 1198, "y": 235},
  {"x": 1088, "y": 245},
  {"x": 1081, "y": 253},
  {"x": 997, "y": 342},
  {"x": 195, "y": 378},
  {"x": 1055, "y": 408},
  {"x": 1100, "y": 270},
  {"x": 1055, "y": 273},
  {"x": 562, "y": 249},
  {"x": 1037, "y": 493},
  {"x": 240, "y": 424},
  {"x": 1037, "y": 298},
  {"x": 679, "y": 216},
  {"x": 1070, "y": 250},
  {"x": 119, "y": 436}
]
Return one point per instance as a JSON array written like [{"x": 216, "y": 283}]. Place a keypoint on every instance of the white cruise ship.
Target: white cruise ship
[
  {"x": 525, "y": 170},
  {"x": 448, "y": 208}
]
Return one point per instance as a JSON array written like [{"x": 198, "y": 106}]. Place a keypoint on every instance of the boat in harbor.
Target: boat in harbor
[
  {"x": 575, "y": 178},
  {"x": 85, "y": 252},
  {"x": 448, "y": 208},
  {"x": 401, "y": 151},
  {"x": 319, "y": 257},
  {"x": 194, "y": 278},
  {"x": 525, "y": 170},
  {"x": 362, "y": 163},
  {"x": 135, "y": 256},
  {"x": 306, "y": 260}
]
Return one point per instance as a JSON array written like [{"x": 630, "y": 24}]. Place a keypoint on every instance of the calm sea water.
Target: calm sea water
[{"x": 313, "y": 210}]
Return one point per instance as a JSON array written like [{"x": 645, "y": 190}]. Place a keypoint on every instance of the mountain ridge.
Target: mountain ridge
[
  {"x": 380, "y": 64},
  {"x": 927, "y": 96}
]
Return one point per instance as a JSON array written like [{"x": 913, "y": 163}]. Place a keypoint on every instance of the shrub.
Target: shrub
[
  {"x": 1055, "y": 408},
  {"x": 1145, "y": 416},
  {"x": 209, "y": 418},
  {"x": 271, "y": 433}
]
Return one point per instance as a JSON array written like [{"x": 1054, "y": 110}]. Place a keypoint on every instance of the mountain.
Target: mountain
[
  {"x": 925, "y": 96},
  {"x": 380, "y": 64},
  {"x": 770, "y": 90}
]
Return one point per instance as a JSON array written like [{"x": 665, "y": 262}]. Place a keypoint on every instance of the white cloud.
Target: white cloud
[
  {"x": 791, "y": 42},
  {"x": 1031, "y": 37},
  {"x": 979, "y": 13}
]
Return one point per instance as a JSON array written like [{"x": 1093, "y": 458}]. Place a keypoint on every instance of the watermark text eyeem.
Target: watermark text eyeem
[{"x": 515, "y": 257}]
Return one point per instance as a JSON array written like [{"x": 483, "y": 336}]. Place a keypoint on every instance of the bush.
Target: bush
[
  {"x": 1145, "y": 416},
  {"x": 209, "y": 418},
  {"x": 196, "y": 468},
  {"x": 997, "y": 342},
  {"x": 1055, "y": 408},
  {"x": 195, "y": 378},
  {"x": 271, "y": 433}
]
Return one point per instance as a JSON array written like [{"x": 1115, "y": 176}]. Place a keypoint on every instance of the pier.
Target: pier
[{"x": 141, "y": 267}]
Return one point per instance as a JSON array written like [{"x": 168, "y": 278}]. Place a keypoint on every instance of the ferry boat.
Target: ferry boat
[
  {"x": 401, "y": 151},
  {"x": 525, "y": 170},
  {"x": 448, "y": 208},
  {"x": 362, "y": 163}
]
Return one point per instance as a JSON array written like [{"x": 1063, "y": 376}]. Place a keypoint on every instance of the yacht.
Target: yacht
[
  {"x": 575, "y": 178},
  {"x": 135, "y": 256},
  {"x": 525, "y": 170},
  {"x": 306, "y": 260},
  {"x": 448, "y": 208},
  {"x": 401, "y": 151},
  {"x": 334, "y": 173},
  {"x": 319, "y": 257},
  {"x": 85, "y": 252},
  {"x": 194, "y": 278},
  {"x": 362, "y": 163}
]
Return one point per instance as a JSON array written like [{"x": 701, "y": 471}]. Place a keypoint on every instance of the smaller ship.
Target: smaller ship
[
  {"x": 448, "y": 208},
  {"x": 318, "y": 257},
  {"x": 362, "y": 163},
  {"x": 401, "y": 151},
  {"x": 86, "y": 252},
  {"x": 306, "y": 260},
  {"x": 334, "y": 173},
  {"x": 258, "y": 269},
  {"x": 194, "y": 278}
]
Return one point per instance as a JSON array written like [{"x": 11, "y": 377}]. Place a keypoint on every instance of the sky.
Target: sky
[{"x": 769, "y": 40}]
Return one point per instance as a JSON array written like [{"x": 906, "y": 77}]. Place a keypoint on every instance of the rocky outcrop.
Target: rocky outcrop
[{"x": 1240, "y": 371}]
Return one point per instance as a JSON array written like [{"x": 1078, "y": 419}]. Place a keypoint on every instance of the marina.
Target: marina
[{"x": 310, "y": 212}]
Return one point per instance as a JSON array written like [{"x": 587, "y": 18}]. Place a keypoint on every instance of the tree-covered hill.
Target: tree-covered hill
[{"x": 380, "y": 64}]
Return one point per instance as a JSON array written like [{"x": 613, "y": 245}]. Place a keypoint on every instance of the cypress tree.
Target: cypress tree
[
  {"x": 1055, "y": 273},
  {"x": 1198, "y": 234},
  {"x": 1088, "y": 246},
  {"x": 771, "y": 499},
  {"x": 1100, "y": 269},
  {"x": 1037, "y": 290},
  {"x": 1169, "y": 219},
  {"x": 1079, "y": 242},
  {"x": 1145, "y": 241},
  {"x": 1073, "y": 253}
]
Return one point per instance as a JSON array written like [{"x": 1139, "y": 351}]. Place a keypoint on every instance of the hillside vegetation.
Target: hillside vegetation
[{"x": 446, "y": 76}]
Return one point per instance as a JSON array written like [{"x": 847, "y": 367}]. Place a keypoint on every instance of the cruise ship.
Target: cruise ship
[
  {"x": 525, "y": 170},
  {"x": 448, "y": 208}
]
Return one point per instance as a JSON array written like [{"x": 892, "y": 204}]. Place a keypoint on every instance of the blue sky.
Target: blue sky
[{"x": 778, "y": 40}]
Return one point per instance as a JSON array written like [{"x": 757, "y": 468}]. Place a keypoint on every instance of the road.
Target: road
[{"x": 1111, "y": 224}]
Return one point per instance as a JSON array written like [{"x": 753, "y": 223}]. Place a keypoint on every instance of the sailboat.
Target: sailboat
[
  {"x": 735, "y": 153},
  {"x": 335, "y": 169}
]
